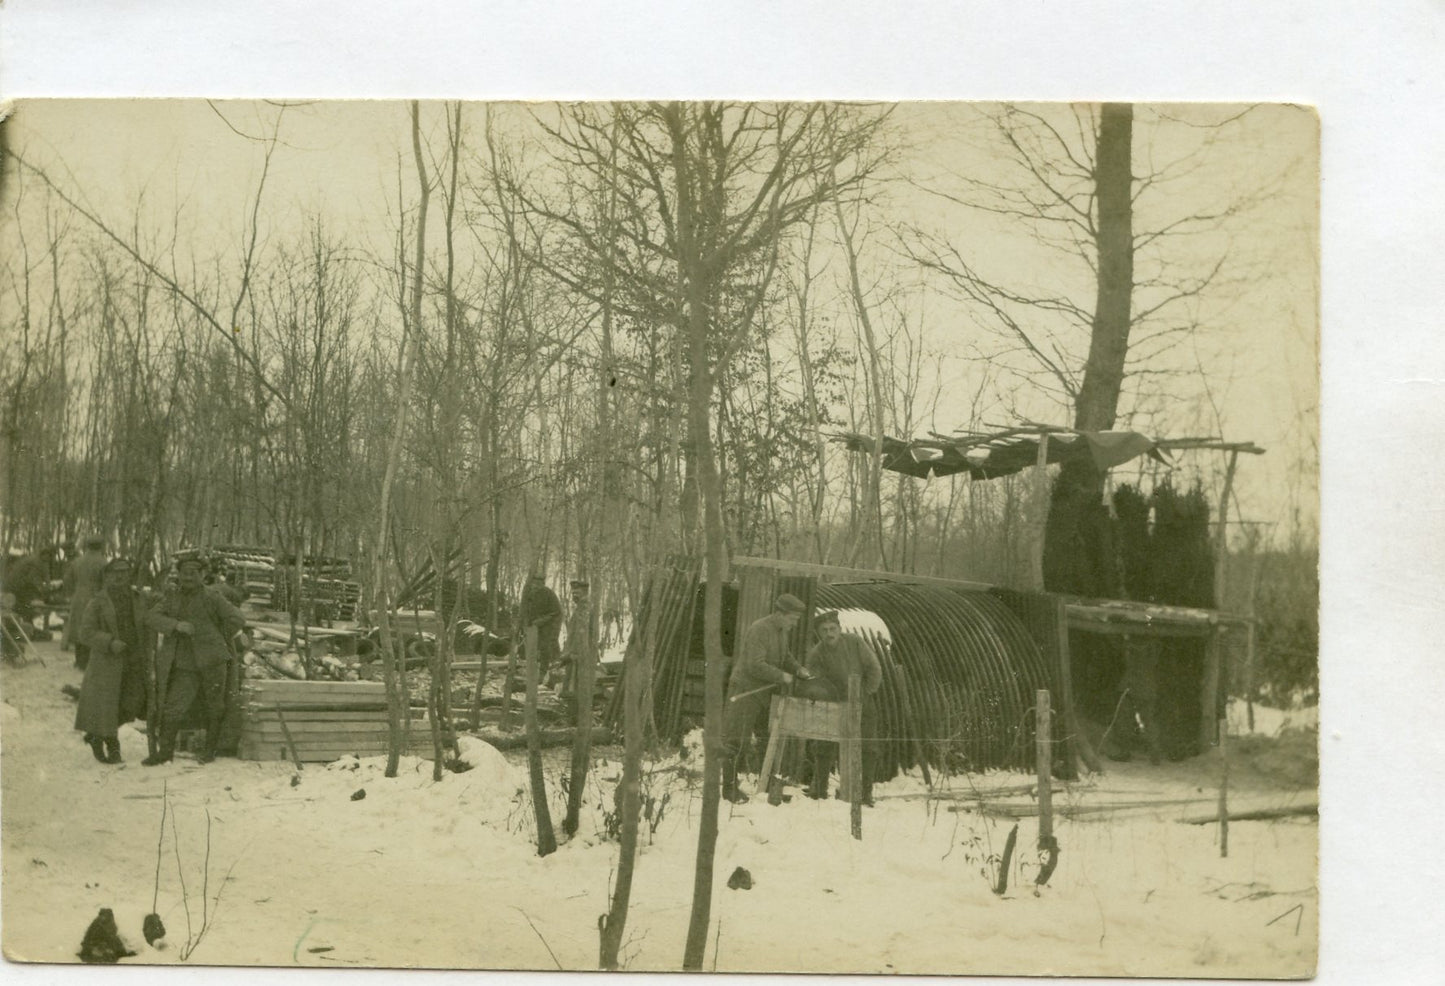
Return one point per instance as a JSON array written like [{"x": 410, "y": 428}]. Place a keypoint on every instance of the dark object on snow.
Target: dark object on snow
[
  {"x": 153, "y": 928},
  {"x": 102, "y": 944},
  {"x": 71, "y": 691},
  {"x": 1007, "y": 860},
  {"x": 360, "y": 794},
  {"x": 1052, "y": 848},
  {"x": 740, "y": 880}
]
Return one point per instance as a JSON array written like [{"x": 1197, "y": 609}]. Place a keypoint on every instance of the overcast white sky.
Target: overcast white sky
[
  {"x": 341, "y": 161},
  {"x": 1375, "y": 72}
]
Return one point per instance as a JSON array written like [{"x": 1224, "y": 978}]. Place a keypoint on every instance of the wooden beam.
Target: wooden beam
[{"x": 838, "y": 573}]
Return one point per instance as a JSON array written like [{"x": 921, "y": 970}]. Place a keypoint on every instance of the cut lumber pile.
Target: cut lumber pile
[{"x": 318, "y": 721}]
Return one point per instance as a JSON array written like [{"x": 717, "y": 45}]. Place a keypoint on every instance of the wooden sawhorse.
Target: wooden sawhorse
[{"x": 829, "y": 722}]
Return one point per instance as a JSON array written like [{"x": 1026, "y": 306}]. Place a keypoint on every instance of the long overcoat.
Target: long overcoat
[
  {"x": 83, "y": 578},
  {"x": 114, "y": 689},
  {"x": 214, "y": 622}
]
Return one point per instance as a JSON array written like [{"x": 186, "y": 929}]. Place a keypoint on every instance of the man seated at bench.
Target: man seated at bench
[{"x": 836, "y": 656}]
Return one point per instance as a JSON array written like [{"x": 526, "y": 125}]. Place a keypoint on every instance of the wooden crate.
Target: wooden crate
[{"x": 317, "y": 721}]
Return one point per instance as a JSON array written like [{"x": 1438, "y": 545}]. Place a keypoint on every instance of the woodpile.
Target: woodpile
[{"x": 326, "y": 589}]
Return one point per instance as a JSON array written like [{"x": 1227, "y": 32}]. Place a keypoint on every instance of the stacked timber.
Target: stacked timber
[
  {"x": 669, "y": 606},
  {"x": 327, "y": 586},
  {"x": 317, "y": 721}
]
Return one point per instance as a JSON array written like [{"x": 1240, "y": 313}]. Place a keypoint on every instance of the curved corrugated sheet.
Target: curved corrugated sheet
[{"x": 958, "y": 678}]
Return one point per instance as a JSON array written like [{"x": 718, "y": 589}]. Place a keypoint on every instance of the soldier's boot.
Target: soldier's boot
[
  {"x": 112, "y": 749},
  {"x": 165, "y": 747},
  {"x": 95, "y": 746},
  {"x": 213, "y": 740},
  {"x": 730, "y": 789}
]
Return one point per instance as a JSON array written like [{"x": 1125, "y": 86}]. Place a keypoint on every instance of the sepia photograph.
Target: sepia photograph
[{"x": 723, "y": 536}]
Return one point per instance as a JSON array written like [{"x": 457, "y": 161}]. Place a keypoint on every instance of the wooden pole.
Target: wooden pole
[
  {"x": 1223, "y": 791},
  {"x": 1043, "y": 755},
  {"x": 1249, "y": 675},
  {"x": 853, "y": 751},
  {"x": 1041, "y": 511},
  {"x": 1216, "y": 670},
  {"x": 1209, "y": 692},
  {"x": 1078, "y": 740},
  {"x": 1221, "y": 540},
  {"x": 546, "y": 838}
]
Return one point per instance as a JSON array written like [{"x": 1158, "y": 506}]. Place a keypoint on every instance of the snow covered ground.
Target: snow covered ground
[{"x": 304, "y": 872}]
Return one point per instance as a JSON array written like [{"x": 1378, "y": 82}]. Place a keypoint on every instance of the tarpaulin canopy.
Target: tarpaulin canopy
[{"x": 1002, "y": 453}]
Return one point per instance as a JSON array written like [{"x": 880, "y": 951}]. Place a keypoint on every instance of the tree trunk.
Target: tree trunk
[
  {"x": 1098, "y": 401},
  {"x": 1076, "y": 538},
  {"x": 584, "y": 660},
  {"x": 636, "y": 671},
  {"x": 391, "y": 671},
  {"x": 546, "y": 838},
  {"x": 716, "y": 569}
]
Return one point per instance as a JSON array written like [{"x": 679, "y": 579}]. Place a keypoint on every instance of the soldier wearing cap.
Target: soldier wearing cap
[
  {"x": 835, "y": 657},
  {"x": 541, "y": 606},
  {"x": 763, "y": 660},
  {"x": 114, "y": 690},
  {"x": 199, "y": 626},
  {"x": 577, "y": 636}
]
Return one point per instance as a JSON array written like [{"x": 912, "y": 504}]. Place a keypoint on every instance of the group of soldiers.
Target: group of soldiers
[
  {"x": 540, "y": 608},
  {"x": 765, "y": 664},
  {"x": 115, "y": 629}
]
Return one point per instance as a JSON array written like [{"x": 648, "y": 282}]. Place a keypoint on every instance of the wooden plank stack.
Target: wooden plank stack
[{"x": 318, "y": 721}]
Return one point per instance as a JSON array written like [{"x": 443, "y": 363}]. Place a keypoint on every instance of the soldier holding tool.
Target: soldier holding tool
[{"x": 764, "y": 662}]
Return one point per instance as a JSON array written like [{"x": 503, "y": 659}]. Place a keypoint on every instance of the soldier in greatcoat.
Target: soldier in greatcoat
[
  {"x": 114, "y": 630},
  {"x": 541, "y": 606},
  {"x": 82, "y": 581},
  {"x": 191, "y": 665}
]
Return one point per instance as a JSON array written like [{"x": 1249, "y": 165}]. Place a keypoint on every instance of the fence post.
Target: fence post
[
  {"x": 853, "y": 750},
  {"x": 1043, "y": 753},
  {"x": 1223, "y": 791}
]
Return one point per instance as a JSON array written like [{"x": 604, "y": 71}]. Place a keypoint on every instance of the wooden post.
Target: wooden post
[
  {"x": 1209, "y": 691},
  {"x": 546, "y": 838},
  {"x": 1216, "y": 669},
  {"x": 1221, "y": 539},
  {"x": 1223, "y": 791},
  {"x": 1249, "y": 675},
  {"x": 853, "y": 751},
  {"x": 1078, "y": 742},
  {"x": 1044, "y": 755},
  {"x": 1041, "y": 509}
]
